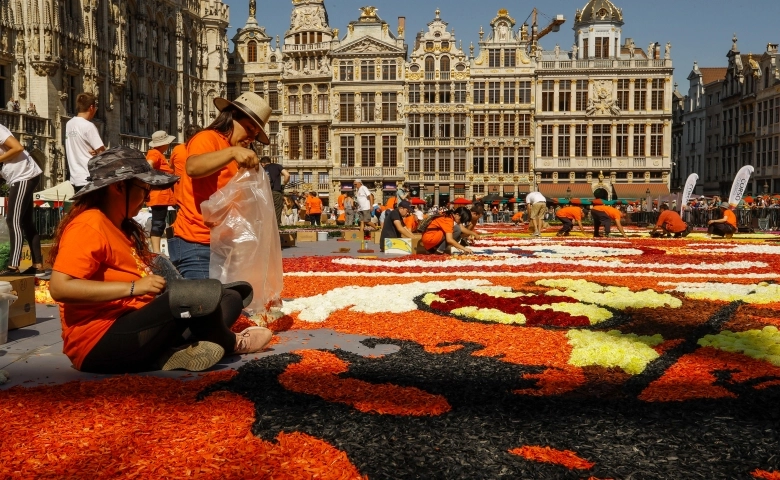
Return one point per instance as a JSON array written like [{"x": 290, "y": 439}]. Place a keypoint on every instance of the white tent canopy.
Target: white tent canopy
[{"x": 58, "y": 193}]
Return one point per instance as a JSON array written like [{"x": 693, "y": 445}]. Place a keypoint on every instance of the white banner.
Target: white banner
[
  {"x": 690, "y": 184},
  {"x": 740, "y": 184}
]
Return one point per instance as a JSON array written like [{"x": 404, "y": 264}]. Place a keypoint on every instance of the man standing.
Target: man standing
[
  {"x": 604, "y": 215},
  {"x": 364, "y": 201},
  {"x": 279, "y": 178},
  {"x": 670, "y": 223},
  {"x": 82, "y": 140},
  {"x": 314, "y": 208},
  {"x": 537, "y": 205}
]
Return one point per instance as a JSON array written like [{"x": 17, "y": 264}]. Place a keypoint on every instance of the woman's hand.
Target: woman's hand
[
  {"x": 153, "y": 284},
  {"x": 246, "y": 158}
]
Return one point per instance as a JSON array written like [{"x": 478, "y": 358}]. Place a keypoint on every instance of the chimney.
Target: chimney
[
  {"x": 628, "y": 41},
  {"x": 401, "y": 26}
]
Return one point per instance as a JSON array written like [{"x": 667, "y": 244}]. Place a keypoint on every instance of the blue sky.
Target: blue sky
[{"x": 699, "y": 30}]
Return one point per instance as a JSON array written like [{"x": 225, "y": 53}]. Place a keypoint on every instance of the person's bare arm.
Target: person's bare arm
[
  {"x": 579, "y": 224},
  {"x": 14, "y": 148},
  {"x": 285, "y": 177},
  {"x": 64, "y": 288},
  {"x": 451, "y": 241},
  {"x": 97, "y": 151},
  {"x": 620, "y": 227},
  {"x": 205, "y": 164},
  {"x": 468, "y": 232},
  {"x": 402, "y": 228}
]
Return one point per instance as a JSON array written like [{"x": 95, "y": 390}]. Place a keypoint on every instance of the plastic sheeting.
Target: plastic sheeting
[{"x": 245, "y": 238}]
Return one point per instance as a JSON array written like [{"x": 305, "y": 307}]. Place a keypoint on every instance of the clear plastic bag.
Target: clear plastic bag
[{"x": 245, "y": 238}]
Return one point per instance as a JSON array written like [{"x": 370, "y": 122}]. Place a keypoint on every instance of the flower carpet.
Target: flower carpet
[{"x": 534, "y": 358}]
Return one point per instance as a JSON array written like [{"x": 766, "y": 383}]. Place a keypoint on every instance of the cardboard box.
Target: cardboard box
[
  {"x": 353, "y": 236},
  {"x": 399, "y": 246},
  {"x": 418, "y": 247},
  {"x": 26, "y": 261},
  {"x": 307, "y": 236},
  {"x": 22, "y": 311},
  {"x": 287, "y": 239},
  {"x": 375, "y": 236}
]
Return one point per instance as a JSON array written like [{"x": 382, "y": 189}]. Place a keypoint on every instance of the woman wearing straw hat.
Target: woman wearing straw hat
[
  {"x": 214, "y": 156},
  {"x": 159, "y": 200},
  {"x": 117, "y": 315}
]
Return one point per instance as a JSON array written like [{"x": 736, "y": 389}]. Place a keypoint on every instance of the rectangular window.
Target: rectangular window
[
  {"x": 459, "y": 125},
  {"x": 273, "y": 99},
  {"x": 308, "y": 143},
  {"x": 478, "y": 160},
  {"x": 508, "y": 163},
  {"x": 524, "y": 126},
  {"x": 622, "y": 94},
  {"x": 323, "y": 178},
  {"x": 429, "y": 161},
  {"x": 580, "y": 140},
  {"x": 307, "y": 177},
  {"x": 322, "y": 103},
  {"x": 307, "y": 104},
  {"x": 509, "y": 92},
  {"x": 493, "y": 160},
  {"x": 429, "y": 125},
  {"x": 547, "y": 95},
  {"x": 523, "y": 159},
  {"x": 294, "y": 106},
  {"x": 346, "y": 71},
  {"x": 414, "y": 125},
  {"x": 347, "y": 150},
  {"x": 510, "y": 57},
  {"x": 322, "y": 141},
  {"x": 295, "y": 143},
  {"x": 231, "y": 89},
  {"x": 657, "y": 94},
  {"x": 414, "y": 161},
  {"x": 639, "y": 141},
  {"x": 509, "y": 125},
  {"x": 564, "y": 96},
  {"x": 602, "y": 139},
  {"x": 388, "y": 70},
  {"x": 547, "y": 141},
  {"x": 563, "y": 141},
  {"x": 367, "y": 106},
  {"x": 444, "y": 127},
  {"x": 585, "y": 49},
  {"x": 459, "y": 161},
  {"x": 414, "y": 93},
  {"x": 347, "y": 107},
  {"x": 389, "y": 106},
  {"x": 389, "y": 151},
  {"x": 430, "y": 93},
  {"x": 494, "y": 125},
  {"x": 479, "y": 126},
  {"x": 581, "y": 101},
  {"x": 602, "y": 47},
  {"x": 656, "y": 140},
  {"x": 444, "y": 93},
  {"x": 445, "y": 162},
  {"x": 460, "y": 92},
  {"x": 524, "y": 93},
  {"x": 494, "y": 92},
  {"x": 367, "y": 70},
  {"x": 494, "y": 57},
  {"x": 640, "y": 94},
  {"x": 368, "y": 151},
  {"x": 621, "y": 140},
  {"x": 479, "y": 93}
]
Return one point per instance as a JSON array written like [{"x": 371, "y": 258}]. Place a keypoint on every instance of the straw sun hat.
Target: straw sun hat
[
  {"x": 254, "y": 106},
  {"x": 160, "y": 138}
]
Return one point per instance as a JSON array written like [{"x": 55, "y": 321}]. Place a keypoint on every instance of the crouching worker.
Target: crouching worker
[
  {"x": 725, "y": 226},
  {"x": 670, "y": 224},
  {"x": 117, "y": 315},
  {"x": 568, "y": 215},
  {"x": 395, "y": 226},
  {"x": 604, "y": 215},
  {"x": 443, "y": 233}
]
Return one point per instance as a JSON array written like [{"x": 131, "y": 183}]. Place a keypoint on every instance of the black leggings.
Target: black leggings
[
  {"x": 20, "y": 222},
  {"x": 136, "y": 341},
  {"x": 159, "y": 215},
  {"x": 599, "y": 219}
]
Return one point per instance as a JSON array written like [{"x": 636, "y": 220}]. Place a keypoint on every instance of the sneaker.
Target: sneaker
[
  {"x": 9, "y": 272},
  {"x": 30, "y": 272},
  {"x": 195, "y": 357},
  {"x": 252, "y": 340},
  {"x": 688, "y": 230},
  {"x": 729, "y": 235},
  {"x": 537, "y": 234}
]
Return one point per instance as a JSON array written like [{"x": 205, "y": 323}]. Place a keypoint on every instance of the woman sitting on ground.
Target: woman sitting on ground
[
  {"x": 444, "y": 232},
  {"x": 116, "y": 314}
]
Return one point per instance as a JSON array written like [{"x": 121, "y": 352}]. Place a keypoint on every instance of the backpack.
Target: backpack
[{"x": 423, "y": 225}]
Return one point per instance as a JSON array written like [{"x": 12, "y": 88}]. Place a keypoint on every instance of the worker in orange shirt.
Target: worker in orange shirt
[
  {"x": 314, "y": 208},
  {"x": 178, "y": 159},
  {"x": 159, "y": 200},
  {"x": 725, "y": 226},
  {"x": 569, "y": 215},
  {"x": 605, "y": 215},
  {"x": 670, "y": 224}
]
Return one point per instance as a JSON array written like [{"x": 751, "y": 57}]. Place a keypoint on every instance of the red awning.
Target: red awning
[
  {"x": 639, "y": 190},
  {"x": 559, "y": 190}
]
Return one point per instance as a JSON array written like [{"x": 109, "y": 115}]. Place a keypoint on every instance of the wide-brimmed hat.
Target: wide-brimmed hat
[
  {"x": 254, "y": 106},
  {"x": 725, "y": 205},
  {"x": 160, "y": 138},
  {"x": 123, "y": 163}
]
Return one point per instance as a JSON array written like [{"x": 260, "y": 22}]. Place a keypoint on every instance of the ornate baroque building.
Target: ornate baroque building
[{"x": 152, "y": 64}]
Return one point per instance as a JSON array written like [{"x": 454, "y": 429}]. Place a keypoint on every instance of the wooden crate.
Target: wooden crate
[
  {"x": 307, "y": 236},
  {"x": 353, "y": 235},
  {"x": 287, "y": 239}
]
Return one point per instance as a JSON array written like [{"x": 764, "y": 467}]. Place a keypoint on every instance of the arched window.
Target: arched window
[
  {"x": 444, "y": 64},
  {"x": 429, "y": 64},
  {"x": 251, "y": 51}
]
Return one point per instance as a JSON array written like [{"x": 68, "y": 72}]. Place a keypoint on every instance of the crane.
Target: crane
[{"x": 554, "y": 26}]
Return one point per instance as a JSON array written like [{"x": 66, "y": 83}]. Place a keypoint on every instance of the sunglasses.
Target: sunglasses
[{"x": 143, "y": 186}]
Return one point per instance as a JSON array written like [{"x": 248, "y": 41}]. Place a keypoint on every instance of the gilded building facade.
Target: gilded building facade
[{"x": 152, "y": 64}]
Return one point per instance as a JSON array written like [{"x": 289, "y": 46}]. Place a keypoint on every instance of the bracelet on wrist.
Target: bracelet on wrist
[{"x": 132, "y": 287}]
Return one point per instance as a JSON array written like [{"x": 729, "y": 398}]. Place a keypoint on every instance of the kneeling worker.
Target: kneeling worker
[
  {"x": 670, "y": 224},
  {"x": 605, "y": 215},
  {"x": 724, "y": 226},
  {"x": 394, "y": 226},
  {"x": 569, "y": 215}
]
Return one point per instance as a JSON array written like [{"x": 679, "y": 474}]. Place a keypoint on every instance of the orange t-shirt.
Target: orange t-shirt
[
  {"x": 160, "y": 197},
  {"x": 177, "y": 162},
  {"x": 671, "y": 221},
  {"x": 411, "y": 222},
  {"x": 613, "y": 213},
  {"x": 341, "y": 201},
  {"x": 189, "y": 223},
  {"x": 313, "y": 205},
  {"x": 517, "y": 217},
  {"x": 390, "y": 204},
  {"x": 93, "y": 248},
  {"x": 572, "y": 213},
  {"x": 731, "y": 219},
  {"x": 434, "y": 234}
]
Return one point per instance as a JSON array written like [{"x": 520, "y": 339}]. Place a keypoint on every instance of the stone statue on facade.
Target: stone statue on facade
[
  {"x": 166, "y": 46},
  {"x": 651, "y": 51},
  {"x": 156, "y": 114},
  {"x": 36, "y": 43},
  {"x": 180, "y": 116},
  {"x": 324, "y": 68},
  {"x": 574, "y": 51},
  {"x": 141, "y": 32},
  {"x": 4, "y": 40},
  {"x": 47, "y": 47},
  {"x": 154, "y": 40},
  {"x": 357, "y": 113},
  {"x": 22, "y": 77},
  {"x": 557, "y": 51},
  {"x": 143, "y": 112},
  {"x": 668, "y": 51}
]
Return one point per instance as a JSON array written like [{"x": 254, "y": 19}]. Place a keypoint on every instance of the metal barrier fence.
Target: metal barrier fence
[{"x": 753, "y": 219}]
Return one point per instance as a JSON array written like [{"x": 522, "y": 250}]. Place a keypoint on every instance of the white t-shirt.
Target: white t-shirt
[
  {"x": 20, "y": 168},
  {"x": 363, "y": 198},
  {"x": 534, "y": 197},
  {"x": 81, "y": 136}
]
